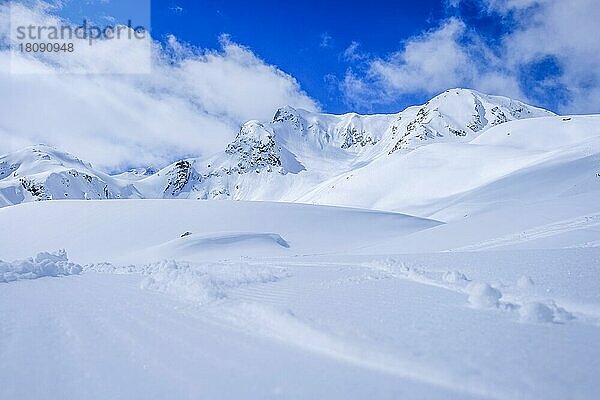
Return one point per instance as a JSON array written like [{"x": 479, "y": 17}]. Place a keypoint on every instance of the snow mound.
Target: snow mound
[
  {"x": 218, "y": 246},
  {"x": 199, "y": 242},
  {"x": 536, "y": 312},
  {"x": 203, "y": 283},
  {"x": 44, "y": 264},
  {"x": 482, "y": 295}
]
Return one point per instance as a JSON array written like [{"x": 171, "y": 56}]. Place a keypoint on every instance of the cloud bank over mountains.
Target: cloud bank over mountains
[
  {"x": 192, "y": 102},
  {"x": 558, "y": 35}
]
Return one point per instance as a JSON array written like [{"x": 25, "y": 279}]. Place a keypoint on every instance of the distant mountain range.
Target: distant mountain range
[{"x": 420, "y": 161}]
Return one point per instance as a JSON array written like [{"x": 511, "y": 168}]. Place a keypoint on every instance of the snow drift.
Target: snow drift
[
  {"x": 216, "y": 245},
  {"x": 43, "y": 264}
]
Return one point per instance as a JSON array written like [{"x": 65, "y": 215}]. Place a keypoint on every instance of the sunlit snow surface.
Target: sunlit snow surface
[{"x": 330, "y": 303}]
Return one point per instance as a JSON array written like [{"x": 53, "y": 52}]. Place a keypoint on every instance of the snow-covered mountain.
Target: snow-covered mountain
[
  {"x": 297, "y": 156},
  {"x": 44, "y": 173}
]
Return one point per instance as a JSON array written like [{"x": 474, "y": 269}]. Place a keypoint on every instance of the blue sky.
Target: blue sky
[
  {"x": 308, "y": 39},
  {"x": 305, "y": 39},
  {"x": 356, "y": 55}
]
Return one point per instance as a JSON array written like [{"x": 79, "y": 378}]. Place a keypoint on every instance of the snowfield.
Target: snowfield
[
  {"x": 147, "y": 230},
  {"x": 330, "y": 306},
  {"x": 451, "y": 251}
]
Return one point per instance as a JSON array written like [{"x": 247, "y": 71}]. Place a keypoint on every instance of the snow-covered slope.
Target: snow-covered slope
[
  {"x": 297, "y": 156},
  {"x": 521, "y": 161}
]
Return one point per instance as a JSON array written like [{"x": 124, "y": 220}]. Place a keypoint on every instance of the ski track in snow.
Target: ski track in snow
[
  {"x": 516, "y": 297},
  {"x": 253, "y": 314},
  {"x": 208, "y": 282},
  {"x": 510, "y": 298},
  {"x": 208, "y": 285},
  {"x": 540, "y": 232},
  {"x": 286, "y": 327}
]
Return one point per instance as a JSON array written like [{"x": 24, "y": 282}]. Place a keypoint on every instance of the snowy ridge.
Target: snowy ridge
[{"x": 459, "y": 115}]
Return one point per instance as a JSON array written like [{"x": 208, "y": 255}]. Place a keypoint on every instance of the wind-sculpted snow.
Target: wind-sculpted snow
[
  {"x": 146, "y": 231},
  {"x": 43, "y": 264}
]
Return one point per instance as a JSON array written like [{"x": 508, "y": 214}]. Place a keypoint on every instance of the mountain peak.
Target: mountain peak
[
  {"x": 459, "y": 115},
  {"x": 256, "y": 131},
  {"x": 36, "y": 156},
  {"x": 254, "y": 147}
]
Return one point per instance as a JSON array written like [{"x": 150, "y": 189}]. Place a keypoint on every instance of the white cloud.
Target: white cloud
[
  {"x": 430, "y": 63},
  {"x": 505, "y": 6},
  {"x": 567, "y": 31},
  {"x": 351, "y": 53},
  {"x": 454, "y": 54},
  {"x": 191, "y": 103},
  {"x": 498, "y": 6}
]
